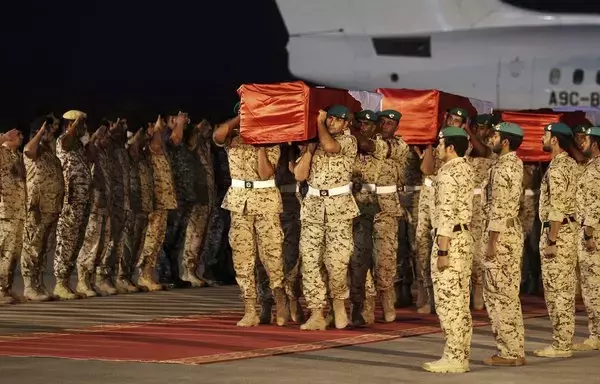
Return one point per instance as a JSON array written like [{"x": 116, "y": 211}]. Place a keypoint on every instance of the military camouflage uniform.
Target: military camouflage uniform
[
  {"x": 204, "y": 153},
  {"x": 142, "y": 203},
  {"x": 528, "y": 215},
  {"x": 502, "y": 272},
  {"x": 376, "y": 229},
  {"x": 73, "y": 219},
  {"x": 326, "y": 237},
  {"x": 588, "y": 214},
  {"x": 453, "y": 196},
  {"x": 45, "y": 192},
  {"x": 12, "y": 216},
  {"x": 557, "y": 203},
  {"x": 255, "y": 223},
  {"x": 97, "y": 234},
  {"x": 165, "y": 199}
]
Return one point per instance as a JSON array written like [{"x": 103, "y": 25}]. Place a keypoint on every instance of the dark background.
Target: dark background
[{"x": 112, "y": 58}]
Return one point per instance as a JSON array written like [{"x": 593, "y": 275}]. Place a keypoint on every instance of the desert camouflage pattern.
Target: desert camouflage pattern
[
  {"x": 326, "y": 237},
  {"x": 73, "y": 218},
  {"x": 588, "y": 214},
  {"x": 194, "y": 236},
  {"x": 557, "y": 203},
  {"x": 11, "y": 237},
  {"x": 453, "y": 196},
  {"x": 503, "y": 272}
]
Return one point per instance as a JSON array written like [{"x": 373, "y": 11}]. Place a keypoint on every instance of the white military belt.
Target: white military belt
[
  {"x": 530, "y": 192},
  {"x": 412, "y": 188},
  {"x": 379, "y": 189},
  {"x": 260, "y": 184},
  {"x": 477, "y": 191},
  {"x": 289, "y": 188},
  {"x": 343, "y": 190}
]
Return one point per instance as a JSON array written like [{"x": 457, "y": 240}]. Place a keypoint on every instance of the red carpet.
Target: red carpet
[{"x": 207, "y": 339}]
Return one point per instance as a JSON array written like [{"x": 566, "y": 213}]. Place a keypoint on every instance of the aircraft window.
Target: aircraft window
[
  {"x": 598, "y": 77},
  {"x": 578, "y": 76},
  {"x": 403, "y": 46},
  {"x": 554, "y": 76}
]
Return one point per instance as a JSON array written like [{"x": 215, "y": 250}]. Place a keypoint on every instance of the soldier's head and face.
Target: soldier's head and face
[
  {"x": 557, "y": 136},
  {"x": 506, "y": 137},
  {"x": 453, "y": 142},
  {"x": 388, "y": 122},
  {"x": 337, "y": 119},
  {"x": 456, "y": 117},
  {"x": 591, "y": 142},
  {"x": 366, "y": 122},
  {"x": 483, "y": 127},
  {"x": 580, "y": 135}
]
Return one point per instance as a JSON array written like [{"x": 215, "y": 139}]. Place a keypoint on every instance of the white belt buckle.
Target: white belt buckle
[
  {"x": 529, "y": 192},
  {"x": 477, "y": 191},
  {"x": 386, "y": 189}
]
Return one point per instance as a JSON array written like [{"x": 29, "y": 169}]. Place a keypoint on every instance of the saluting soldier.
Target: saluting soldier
[
  {"x": 557, "y": 243},
  {"x": 45, "y": 190},
  {"x": 327, "y": 212},
  {"x": 255, "y": 205},
  {"x": 588, "y": 214},
  {"x": 503, "y": 237},
  {"x": 452, "y": 253},
  {"x": 12, "y": 210}
]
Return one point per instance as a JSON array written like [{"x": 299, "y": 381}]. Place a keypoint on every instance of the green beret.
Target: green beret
[
  {"x": 581, "y": 128},
  {"x": 561, "y": 128},
  {"x": 485, "y": 119},
  {"x": 391, "y": 114},
  {"x": 510, "y": 128},
  {"x": 459, "y": 112},
  {"x": 338, "y": 111},
  {"x": 236, "y": 108},
  {"x": 367, "y": 114},
  {"x": 453, "y": 132},
  {"x": 593, "y": 131}
]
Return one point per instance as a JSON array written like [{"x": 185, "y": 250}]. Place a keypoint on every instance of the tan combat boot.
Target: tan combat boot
[
  {"x": 281, "y": 305},
  {"x": 104, "y": 286},
  {"x": 296, "y": 312},
  {"x": 339, "y": 314},
  {"x": 590, "y": 344},
  {"x": 387, "y": 302},
  {"x": 84, "y": 284},
  {"x": 190, "y": 276},
  {"x": 478, "y": 297},
  {"x": 124, "y": 285},
  {"x": 146, "y": 280},
  {"x": 369, "y": 310},
  {"x": 316, "y": 321},
  {"x": 250, "y": 318},
  {"x": 428, "y": 308},
  {"x": 421, "y": 295},
  {"x": 6, "y": 296},
  {"x": 446, "y": 366},
  {"x": 550, "y": 351},
  {"x": 31, "y": 291},
  {"x": 63, "y": 291}
]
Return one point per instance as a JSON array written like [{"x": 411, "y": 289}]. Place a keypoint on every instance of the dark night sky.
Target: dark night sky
[{"x": 111, "y": 58}]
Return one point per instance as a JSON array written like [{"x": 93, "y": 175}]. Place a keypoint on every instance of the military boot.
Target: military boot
[
  {"x": 147, "y": 281},
  {"x": 446, "y": 366},
  {"x": 41, "y": 286},
  {"x": 124, "y": 285},
  {"x": 250, "y": 318},
  {"x": 478, "y": 297},
  {"x": 403, "y": 296},
  {"x": 590, "y": 344},
  {"x": 84, "y": 283},
  {"x": 63, "y": 291},
  {"x": 296, "y": 312},
  {"x": 104, "y": 286},
  {"x": 421, "y": 295},
  {"x": 429, "y": 307},
  {"x": 339, "y": 314},
  {"x": 316, "y": 321},
  {"x": 31, "y": 291},
  {"x": 330, "y": 320},
  {"x": 369, "y": 310},
  {"x": 266, "y": 312},
  {"x": 190, "y": 276},
  {"x": 387, "y": 303},
  {"x": 357, "y": 315},
  {"x": 6, "y": 296},
  {"x": 281, "y": 305}
]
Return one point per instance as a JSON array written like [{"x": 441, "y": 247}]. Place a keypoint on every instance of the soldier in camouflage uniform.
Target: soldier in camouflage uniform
[
  {"x": 255, "y": 205},
  {"x": 141, "y": 197},
  {"x": 97, "y": 234},
  {"x": 165, "y": 200},
  {"x": 73, "y": 218},
  {"x": 430, "y": 164},
  {"x": 327, "y": 213},
  {"x": 503, "y": 238},
  {"x": 12, "y": 210},
  {"x": 290, "y": 224},
  {"x": 379, "y": 171},
  {"x": 481, "y": 159},
  {"x": 452, "y": 253},
  {"x": 528, "y": 215},
  {"x": 557, "y": 242},
  {"x": 45, "y": 190},
  {"x": 588, "y": 214}
]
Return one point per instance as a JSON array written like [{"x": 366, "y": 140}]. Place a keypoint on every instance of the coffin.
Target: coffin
[
  {"x": 423, "y": 111},
  {"x": 287, "y": 112},
  {"x": 533, "y": 124}
]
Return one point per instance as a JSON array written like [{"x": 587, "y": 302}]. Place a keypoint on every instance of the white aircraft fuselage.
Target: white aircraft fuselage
[{"x": 482, "y": 49}]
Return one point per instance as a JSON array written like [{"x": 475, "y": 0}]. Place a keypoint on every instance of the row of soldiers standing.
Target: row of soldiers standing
[
  {"x": 101, "y": 203},
  {"x": 466, "y": 228}
]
